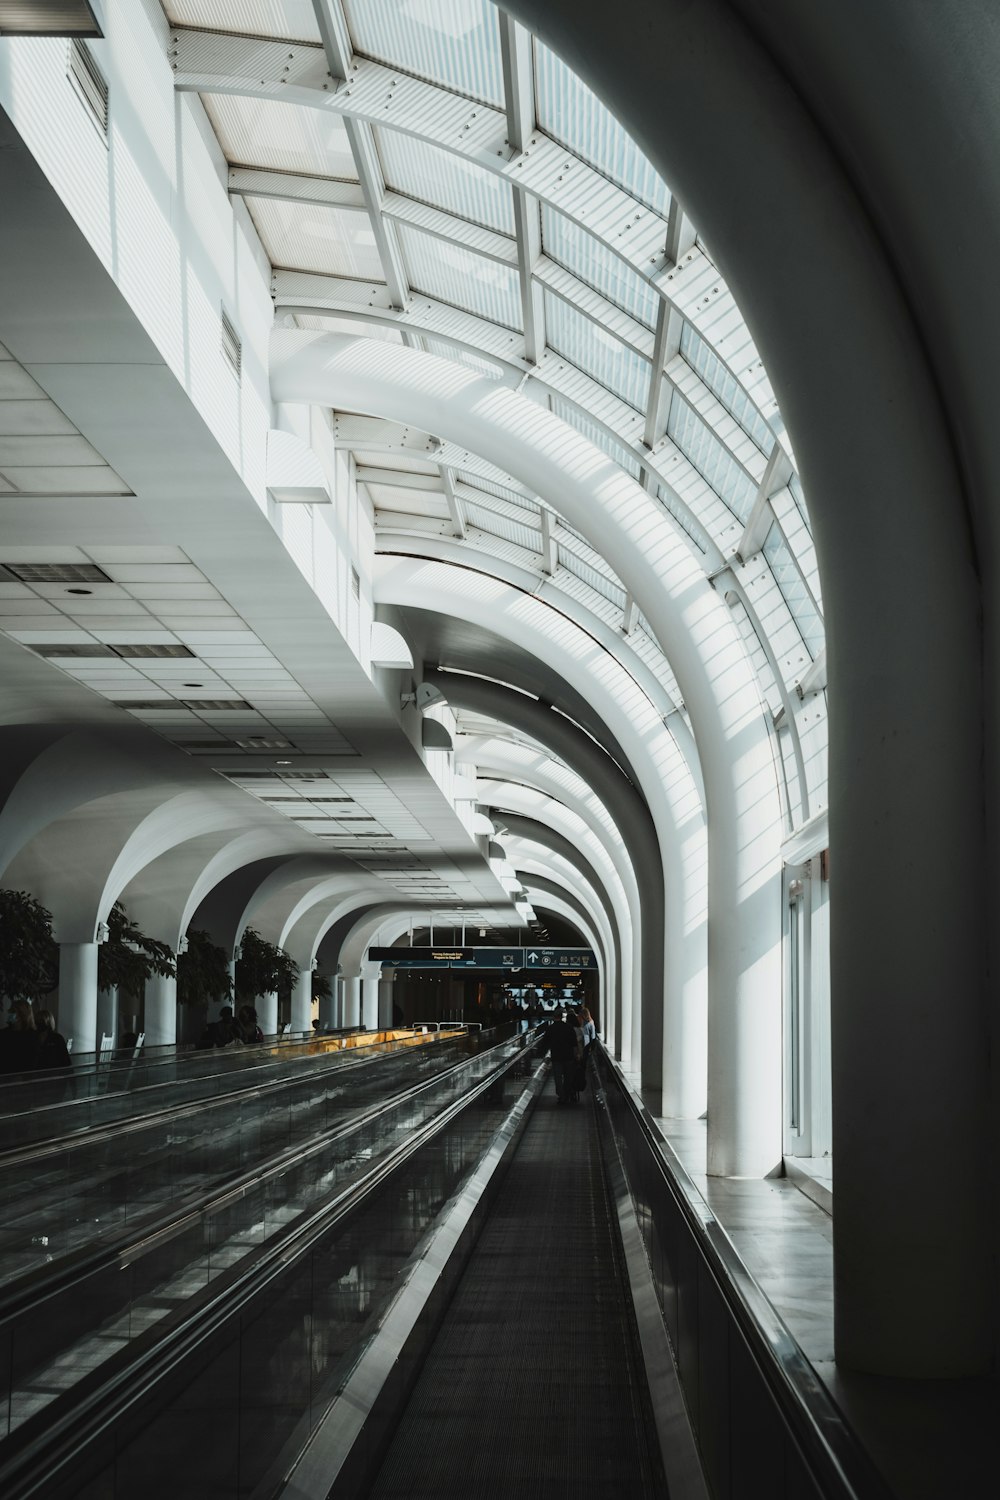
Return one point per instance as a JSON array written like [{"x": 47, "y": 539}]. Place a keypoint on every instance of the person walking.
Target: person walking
[{"x": 562, "y": 1043}]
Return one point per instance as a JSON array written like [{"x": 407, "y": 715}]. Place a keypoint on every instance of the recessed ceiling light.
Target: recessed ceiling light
[{"x": 282, "y": 762}]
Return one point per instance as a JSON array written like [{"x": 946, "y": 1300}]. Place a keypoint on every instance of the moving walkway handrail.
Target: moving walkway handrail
[
  {"x": 40, "y": 1452},
  {"x": 36, "y": 1152},
  {"x": 125, "y": 1245},
  {"x": 231, "y": 1083},
  {"x": 808, "y": 1412}
]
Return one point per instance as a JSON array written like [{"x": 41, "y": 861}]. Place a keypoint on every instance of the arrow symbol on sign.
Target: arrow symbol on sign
[{"x": 532, "y": 958}]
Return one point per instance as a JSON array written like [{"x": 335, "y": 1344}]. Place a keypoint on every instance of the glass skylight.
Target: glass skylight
[
  {"x": 703, "y": 359},
  {"x": 577, "y": 251},
  {"x": 588, "y": 346},
  {"x": 450, "y": 273},
  {"x": 309, "y": 237},
  {"x": 452, "y": 42},
  {"x": 418, "y": 170},
  {"x": 573, "y": 115},
  {"x": 263, "y": 133},
  {"x": 597, "y": 435},
  {"x": 794, "y": 592},
  {"x": 714, "y": 463},
  {"x": 295, "y": 19}
]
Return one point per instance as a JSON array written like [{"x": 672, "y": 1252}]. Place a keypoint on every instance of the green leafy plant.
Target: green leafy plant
[
  {"x": 203, "y": 971},
  {"x": 321, "y": 987},
  {"x": 129, "y": 957},
  {"x": 29, "y": 954},
  {"x": 262, "y": 969}
]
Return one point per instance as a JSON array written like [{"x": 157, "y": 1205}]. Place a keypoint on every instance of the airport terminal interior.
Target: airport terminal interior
[{"x": 498, "y": 749}]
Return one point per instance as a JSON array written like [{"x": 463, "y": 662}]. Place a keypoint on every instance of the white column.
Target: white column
[
  {"x": 328, "y": 1008},
  {"x": 385, "y": 1002},
  {"x": 107, "y": 1014},
  {"x": 301, "y": 1017},
  {"x": 352, "y": 999},
  {"x": 78, "y": 995},
  {"x": 369, "y": 996},
  {"x": 266, "y": 1007},
  {"x": 160, "y": 1021}
]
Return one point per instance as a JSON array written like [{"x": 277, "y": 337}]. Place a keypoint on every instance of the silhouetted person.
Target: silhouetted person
[
  {"x": 562, "y": 1043},
  {"x": 52, "y": 1049},
  {"x": 19, "y": 1042}
]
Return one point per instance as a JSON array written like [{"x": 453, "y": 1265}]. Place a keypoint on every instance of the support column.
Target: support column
[
  {"x": 107, "y": 1014},
  {"x": 78, "y": 995},
  {"x": 369, "y": 996},
  {"x": 301, "y": 1017},
  {"x": 328, "y": 1008},
  {"x": 266, "y": 1007},
  {"x": 160, "y": 1022},
  {"x": 352, "y": 999},
  {"x": 385, "y": 994}
]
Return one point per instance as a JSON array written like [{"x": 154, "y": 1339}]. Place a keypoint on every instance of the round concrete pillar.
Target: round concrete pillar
[
  {"x": 266, "y": 1007},
  {"x": 301, "y": 1016},
  {"x": 352, "y": 999},
  {"x": 385, "y": 1003},
  {"x": 160, "y": 1021},
  {"x": 78, "y": 995}
]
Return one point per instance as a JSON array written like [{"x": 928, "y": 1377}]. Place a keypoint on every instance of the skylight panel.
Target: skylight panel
[
  {"x": 598, "y": 353},
  {"x": 444, "y": 180},
  {"x": 463, "y": 357},
  {"x": 282, "y": 137},
  {"x": 796, "y": 595},
  {"x": 311, "y": 237},
  {"x": 452, "y": 42},
  {"x": 586, "y": 257},
  {"x": 452, "y": 274},
  {"x": 294, "y": 19},
  {"x": 597, "y": 436},
  {"x": 713, "y": 461},
  {"x": 569, "y": 112},
  {"x": 724, "y": 385}
]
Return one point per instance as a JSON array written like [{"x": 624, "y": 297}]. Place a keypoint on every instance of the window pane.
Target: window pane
[
  {"x": 572, "y": 114},
  {"x": 596, "y": 352},
  {"x": 309, "y": 237},
  {"x": 283, "y": 137},
  {"x": 579, "y": 252},
  {"x": 444, "y": 180},
  {"x": 714, "y": 463},
  {"x": 452, "y": 42},
  {"x": 452, "y": 274},
  {"x": 794, "y": 592},
  {"x": 725, "y": 387},
  {"x": 597, "y": 436}
]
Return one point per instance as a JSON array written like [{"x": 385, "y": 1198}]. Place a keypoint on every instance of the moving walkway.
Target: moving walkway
[{"x": 502, "y": 1297}]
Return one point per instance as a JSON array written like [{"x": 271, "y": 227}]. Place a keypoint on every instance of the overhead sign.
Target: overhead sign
[{"x": 484, "y": 958}]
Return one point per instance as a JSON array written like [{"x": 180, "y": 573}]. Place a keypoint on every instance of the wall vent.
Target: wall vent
[
  {"x": 143, "y": 651},
  {"x": 56, "y": 572},
  {"x": 258, "y": 742},
  {"x": 91, "y": 84},
  {"x": 232, "y": 347},
  {"x": 218, "y": 705}
]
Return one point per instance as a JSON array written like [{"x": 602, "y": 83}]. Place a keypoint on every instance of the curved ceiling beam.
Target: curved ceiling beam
[
  {"x": 636, "y": 829},
  {"x": 674, "y": 981},
  {"x": 825, "y": 283},
  {"x": 700, "y": 640},
  {"x": 541, "y": 834}
]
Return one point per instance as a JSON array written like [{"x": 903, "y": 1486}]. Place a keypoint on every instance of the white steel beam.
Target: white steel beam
[
  {"x": 630, "y": 615},
  {"x": 295, "y": 187},
  {"x": 666, "y": 343},
  {"x": 456, "y": 510},
  {"x": 777, "y": 473},
  {"x": 519, "y": 95},
  {"x": 339, "y": 54},
  {"x": 550, "y": 547}
]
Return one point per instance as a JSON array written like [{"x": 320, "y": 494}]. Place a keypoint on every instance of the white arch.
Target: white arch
[{"x": 700, "y": 641}]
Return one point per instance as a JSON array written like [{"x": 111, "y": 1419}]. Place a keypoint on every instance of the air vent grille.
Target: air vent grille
[
  {"x": 232, "y": 347},
  {"x": 143, "y": 651},
  {"x": 218, "y": 705},
  {"x": 144, "y": 705},
  {"x": 75, "y": 652},
  {"x": 258, "y": 742},
  {"x": 90, "y": 82},
  {"x": 57, "y": 572}
]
